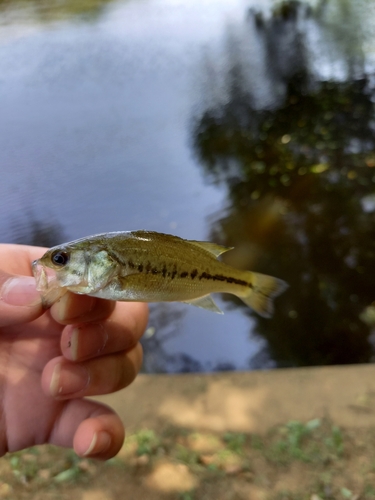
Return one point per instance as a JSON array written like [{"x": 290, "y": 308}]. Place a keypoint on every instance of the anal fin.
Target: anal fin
[{"x": 205, "y": 302}]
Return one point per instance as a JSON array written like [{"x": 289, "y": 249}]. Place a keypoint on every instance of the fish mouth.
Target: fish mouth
[
  {"x": 45, "y": 277},
  {"x": 47, "y": 284},
  {"x": 40, "y": 276}
]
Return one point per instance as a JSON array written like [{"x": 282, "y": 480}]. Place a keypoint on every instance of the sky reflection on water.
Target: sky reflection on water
[{"x": 98, "y": 132}]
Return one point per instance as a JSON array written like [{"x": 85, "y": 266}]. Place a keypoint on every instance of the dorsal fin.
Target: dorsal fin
[{"x": 213, "y": 248}]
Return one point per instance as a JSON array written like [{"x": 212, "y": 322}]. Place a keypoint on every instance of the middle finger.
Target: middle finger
[{"x": 120, "y": 332}]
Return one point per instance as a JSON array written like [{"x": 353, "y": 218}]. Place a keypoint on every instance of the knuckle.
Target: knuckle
[{"x": 128, "y": 367}]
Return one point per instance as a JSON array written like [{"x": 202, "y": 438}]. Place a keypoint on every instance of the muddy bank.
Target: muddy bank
[{"x": 249, "y": 401}]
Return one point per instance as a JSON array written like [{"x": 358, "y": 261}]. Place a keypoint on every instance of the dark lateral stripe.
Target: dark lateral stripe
[
  {"x": 148, "y": 268},
  {"x": 193, "y": 274},
  {"x": 228, "y": 279}
]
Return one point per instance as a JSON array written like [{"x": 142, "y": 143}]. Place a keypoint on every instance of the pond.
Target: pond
[{"x": 248, "y": 123}]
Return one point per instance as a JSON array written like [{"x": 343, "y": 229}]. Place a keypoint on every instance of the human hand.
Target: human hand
[{"x": 50, "y": 360}]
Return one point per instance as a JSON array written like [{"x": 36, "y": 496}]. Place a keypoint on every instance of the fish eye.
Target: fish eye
[{"x": 60, "y": 258}]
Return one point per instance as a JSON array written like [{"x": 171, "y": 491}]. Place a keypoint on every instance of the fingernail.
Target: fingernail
[
  {"x": 100, "y": 443},
  {"x": 68, "y": 379},
  {"x": 87, "y": 341},
  {"x": 73, "y": 343},
  {"x": 20, "y": 291}
]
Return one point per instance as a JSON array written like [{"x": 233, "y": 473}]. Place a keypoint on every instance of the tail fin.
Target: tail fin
[{"x": 264, "y": 289}]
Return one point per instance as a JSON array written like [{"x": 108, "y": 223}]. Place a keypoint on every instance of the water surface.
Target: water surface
[{"x": 248, "y": 123}]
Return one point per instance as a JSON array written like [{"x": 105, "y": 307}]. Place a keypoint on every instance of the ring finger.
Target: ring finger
[{"x": 64, "y": 379}]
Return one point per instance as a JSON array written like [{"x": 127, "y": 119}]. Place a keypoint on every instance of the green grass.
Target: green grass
[
  {"x": 186, "y": 455},
  {"x": 324, "y": 460},
  {"x": 288, "y": 495},
  {"x": 187, "y": 495},
  {"x": 369, "y": 491},
  {"x": 27, "y": 464},
  {"x": 307, "y": 442},
  {"x": 147, "y": 442},
  {"x": 235, "y": 441}
]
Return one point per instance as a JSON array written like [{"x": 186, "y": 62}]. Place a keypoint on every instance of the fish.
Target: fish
[{"x": 147, "y": 266}]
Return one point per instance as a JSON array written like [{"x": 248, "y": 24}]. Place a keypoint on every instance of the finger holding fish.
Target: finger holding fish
[
  {"x": 120, "y": 332},
  {"x": 73, "y": 309},
  {"x": 101, "y": 353},
  {"x": 63, "y": 379}
]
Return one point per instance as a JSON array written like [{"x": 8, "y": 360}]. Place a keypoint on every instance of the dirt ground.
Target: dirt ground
[{"x": 277, "y": 435}]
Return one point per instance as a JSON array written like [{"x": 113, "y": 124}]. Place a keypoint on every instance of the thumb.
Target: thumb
[{"x": 20, "y": 302}]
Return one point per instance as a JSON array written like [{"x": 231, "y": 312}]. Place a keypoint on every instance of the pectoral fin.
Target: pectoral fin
[
  {"x": 213, "y": 248},
  {"x": 205, "y": 302}
]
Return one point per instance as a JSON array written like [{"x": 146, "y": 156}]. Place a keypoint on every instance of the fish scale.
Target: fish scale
[{"x": 150, "y": 267}]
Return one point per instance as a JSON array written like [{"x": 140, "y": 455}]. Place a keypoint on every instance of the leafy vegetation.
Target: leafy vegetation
[
  {"x": 299, "y": 172},
  {"x": 325, "y": 461}
]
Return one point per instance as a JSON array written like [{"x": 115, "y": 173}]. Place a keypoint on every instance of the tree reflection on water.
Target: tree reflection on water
[
  {"x": 47, "y": 11},
  {"x": 300, "y": 177},
  {"x": 31, "y": 230},
  {"x": 164, "y": 324}
]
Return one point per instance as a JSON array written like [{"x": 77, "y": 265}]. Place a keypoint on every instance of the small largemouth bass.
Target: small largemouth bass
[{"x": 146, "y": 266}]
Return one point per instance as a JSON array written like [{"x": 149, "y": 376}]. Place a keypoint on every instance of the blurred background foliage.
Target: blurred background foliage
[
  {"x": 300, "y": 177},
  {"x": 48, "y": 11}
]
